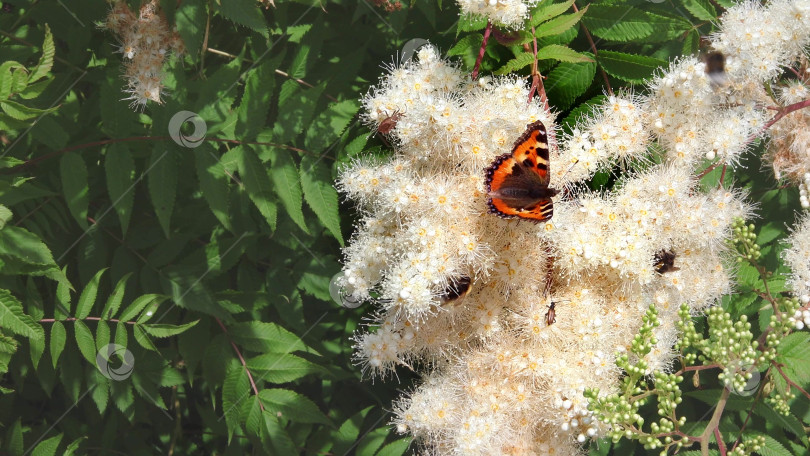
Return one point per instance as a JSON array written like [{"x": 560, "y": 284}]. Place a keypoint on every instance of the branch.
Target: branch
[
  {"x": 111, "y": 320},
  {"x": 242, "y": 360},
  {"x": 593, "y": 48},
  {"x": 481, "y": 51},
  {"x": 791, "y": 382},
  {"x": 713, "y": 423}
]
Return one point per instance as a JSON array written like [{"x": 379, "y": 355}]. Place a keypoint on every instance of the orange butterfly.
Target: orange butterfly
[{"x": 517, "y": 182}]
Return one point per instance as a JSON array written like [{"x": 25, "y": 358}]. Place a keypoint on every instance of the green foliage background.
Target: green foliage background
[{"x": 198, "y": 260}]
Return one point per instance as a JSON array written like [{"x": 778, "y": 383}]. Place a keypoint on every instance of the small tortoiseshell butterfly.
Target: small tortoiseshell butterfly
[{"x": 517, "y": 182}]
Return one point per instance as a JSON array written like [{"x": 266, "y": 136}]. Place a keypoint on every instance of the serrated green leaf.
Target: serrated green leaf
[
  {"x": 794, "y": 353},
  {"x": 162, "y": 182},
  {"x": 47, "y": 447},
  {"x": 139, "y": 303},
  {"x": 256, "y": 100},
  {"x": 347, "y": 434},
  {"x": 245, "y": 12},
  {"x": 567, "y": 81},
  {"x": 559, "y": 24},
  {"x": 114, "y": 301},
  {"x": 75, "y": 187},
  {"x": 213, "y": 182},
  {"x": 190, "y": 18},
  {"x": 7, "y": 78},
  {"x": 287, "y": 184},
  {"x": 395, "y": 448},
  {"x": 45, "y": 60},
  {"x": 292, "y": 406},
  {"x": 13, "y": 319},
  {"x": 161, "y": 330},
  {"x": 257, "y": 183},
  {"x": 629, "y": 67},
  {"x": 88, "y": 296},
  {"x": 119, "y": 168},
  {"x": 521, "y": 61},
  {"x": 320, "y": 195},
  {"x": 143, "y": 338},
  {"x": 14, "y": 438},
  {"x": 282, "y": 367},
  {"x": 280, "y": 440},
  {"x": 328, "y": 126},
  {"x": 57, "y": 342},
  {"x": 626, "y": 23},
  {"x": 19, "y": 111},
  {"x": 102, "y": 334},
  {"x": 471, "y": 23},
  {"x": 464, "y": 45},
  {"x": 547, "y": 10},
  {"x": 701, "y": 9},
  {"x": 562, "y": 54},
  {"x": 265, "y": 337},
  {"x": 121, "y": 334},
  {"x": 85, "y": 341}
]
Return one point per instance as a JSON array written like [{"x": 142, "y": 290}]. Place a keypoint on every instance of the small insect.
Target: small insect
[
  {"x": 551, "y": 315},
  {"x": 389, "y": 123},
  {"x": 458, "y": 289},
  {"x": 716, "y": 67},
  {"x": 665, "y": 261},
  {"x": 7, "y": 7}
]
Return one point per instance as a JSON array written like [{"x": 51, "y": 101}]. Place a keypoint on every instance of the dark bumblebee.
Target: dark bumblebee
[
  {"x": 457, "y": 290},
  {"x": 665, "y": 261}
]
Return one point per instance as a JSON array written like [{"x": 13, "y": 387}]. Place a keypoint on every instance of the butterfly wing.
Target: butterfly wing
[{"x": 517, "y": 182}]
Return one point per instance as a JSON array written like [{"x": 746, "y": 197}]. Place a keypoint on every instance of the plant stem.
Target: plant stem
[
  {"x": 481, "y": 51},
  {"x": 241, "y": 360}
]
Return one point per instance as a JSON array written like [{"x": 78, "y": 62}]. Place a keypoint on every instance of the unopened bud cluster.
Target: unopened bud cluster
[{"x": 146, "y": 42}]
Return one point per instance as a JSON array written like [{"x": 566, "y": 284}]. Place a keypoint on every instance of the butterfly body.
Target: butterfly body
[{"x": 517, "y": 182}]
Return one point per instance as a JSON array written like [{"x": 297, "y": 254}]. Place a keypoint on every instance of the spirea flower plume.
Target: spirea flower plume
[
  {"x": 145, "y": 43},
  {"x": 796, "y": 258},
  {"x": 506, "y": 13},
  {"x": 468, "y": 294}
]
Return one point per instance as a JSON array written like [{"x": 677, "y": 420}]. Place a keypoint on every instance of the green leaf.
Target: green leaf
[
  {"x": 282, "y": 367},
  {"x": 701, "y": 9},
  {"x": 213, "y": 182},
  {"x": 471, "y": 23},
  {"x": 292, "y": 406},
  {"x": 328, "y": 126},
  {"x": 395, "y": 448},
  {"x": 265, "y": 337},
  {"x": 559, "y": 24},
  {"x": 568, "y": 81},
  {"x": 46, "y": 60},
  {"x": 57, "y": 343},
  {"x": 143, "y": 338},
  {"x": 13, "y": 319},
  {"x": 348, "y": 432},
  {"x": 88, "y": 296},
  {"x": 161, "y": 330},
  {"x": 546, "y": 10},
  {"x": 114, "y": 301},
  {"x": 7, "y": 77},
  {"x": 245, "y": 12},
  {"x": 628, "y": 23},
  {"x": 102, "y": 334},
  {"x": 521, "y": 61},
  {"x": 75, "y": 188},
  {"x": 139, "y": 303},
  {"x": 629, "y": 67},
  {"x": 794, "y": 353},
  {"x": 287, "y": 184},
  {"x": 19, "y": 111},
  {"x": 466, "y": 44},
  {"x": 256, "y": 100},
  {"x": 85, "y": 341},
  {"x": 23, "y": 252},
  {"x": 320, "y": 195},
  {"x": 162, "y": 183},
  {"x": 190, "y": 18},
  {"x": 47, "y": 447},
  {"x": 14, "y": 438},
  {"x": 279, "y": 438},
  {"x": 257, "y": 183},
  {"x": 562, "y": 54},
  {"x": 119, "y": 169}
]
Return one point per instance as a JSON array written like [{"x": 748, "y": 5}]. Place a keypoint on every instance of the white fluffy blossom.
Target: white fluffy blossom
[
  {"x": 508, "y": 13},
  {"x": 797, "y": 258}
]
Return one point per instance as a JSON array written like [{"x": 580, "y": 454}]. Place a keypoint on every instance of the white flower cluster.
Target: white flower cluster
[
  {"x": 513, "y": 320},
  {"x": 797, "y": 258},
  {"x": 789, "y": 145},
  {"x": 506, "y": 13},
  {"x": 145, "y": 42},
  {"x": 508, "y": 376}
]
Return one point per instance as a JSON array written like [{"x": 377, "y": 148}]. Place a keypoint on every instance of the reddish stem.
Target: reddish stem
[
  {"x": 709, "y": 169},
  {"x": 785, "y": 111},
  {"x": 111, "y": 320},
  {"x": 242, "y": 360},
  {"x": 791, "y": 382},
  {"x": 719, "y": 439},
  {"x": 481, "y": 51},
  {"x": 722, "y": 175}
]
